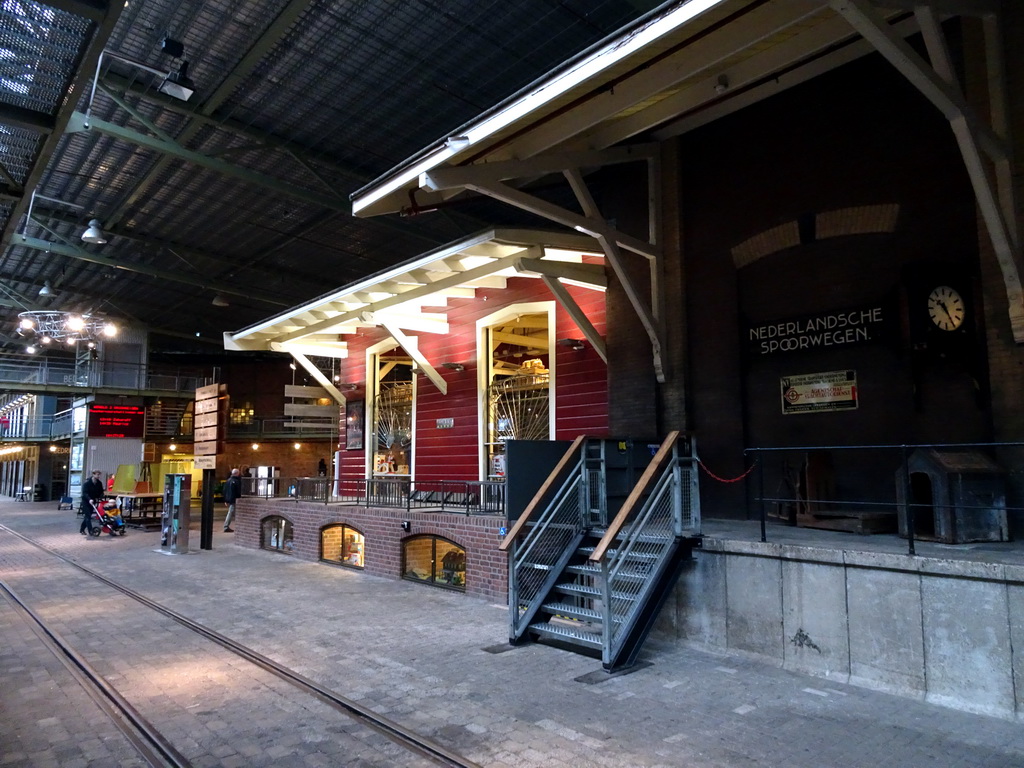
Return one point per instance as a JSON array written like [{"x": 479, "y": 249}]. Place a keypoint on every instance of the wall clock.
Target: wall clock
[{"x": 946, "y": 308}]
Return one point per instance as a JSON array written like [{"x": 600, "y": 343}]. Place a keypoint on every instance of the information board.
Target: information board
[
  {"x": 116, "y": 420},
  {"x": 817, "y": 392}
]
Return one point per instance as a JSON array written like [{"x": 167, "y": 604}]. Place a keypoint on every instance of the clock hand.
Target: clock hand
[{"x": 945, "y": 309}]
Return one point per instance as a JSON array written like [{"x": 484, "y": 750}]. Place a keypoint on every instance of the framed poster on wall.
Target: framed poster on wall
[
  {"x": 819, "y": 392},
  {"x": 355, "y": 414}
]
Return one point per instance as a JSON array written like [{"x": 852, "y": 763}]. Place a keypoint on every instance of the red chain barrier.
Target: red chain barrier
[{"x": 722, "y": 479}]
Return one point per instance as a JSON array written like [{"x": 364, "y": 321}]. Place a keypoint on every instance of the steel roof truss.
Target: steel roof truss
[
  {"x": 79, "y": 122},
  {"x": 939, "y": 84}
]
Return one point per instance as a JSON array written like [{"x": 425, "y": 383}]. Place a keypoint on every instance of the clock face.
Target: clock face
[{"x": 946, "y": 308}]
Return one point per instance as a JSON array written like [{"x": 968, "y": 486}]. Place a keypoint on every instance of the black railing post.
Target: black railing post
[
  {"x": 764, "y": 511},
  {"x": 909, "y": 500}
]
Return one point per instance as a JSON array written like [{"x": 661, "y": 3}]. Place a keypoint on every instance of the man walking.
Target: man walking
[
  {"x": 92, "y": 490},
  {"x": 232, "y": 492}
]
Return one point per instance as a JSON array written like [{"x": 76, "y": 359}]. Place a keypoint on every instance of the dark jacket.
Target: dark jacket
[
  {"x": 232, "y": 489},
  {"x": 93, "y": 490}
]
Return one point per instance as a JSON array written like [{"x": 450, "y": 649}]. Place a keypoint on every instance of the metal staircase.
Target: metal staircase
[{"x": 596, "y": 584}]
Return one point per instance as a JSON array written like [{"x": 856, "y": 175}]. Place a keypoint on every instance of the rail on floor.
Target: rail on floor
[{"x": 593, "y": 584}]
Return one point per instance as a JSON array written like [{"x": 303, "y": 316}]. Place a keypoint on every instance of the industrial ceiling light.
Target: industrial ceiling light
[
  {"x": 46, "y": 290},
  {"x": 44, "y": 327},
  {"x": 175, "y": 84},
  {"x": 220, "y": 301},
  {"x": 94, "y": 234},
  {"x": 178, "y": 84}
]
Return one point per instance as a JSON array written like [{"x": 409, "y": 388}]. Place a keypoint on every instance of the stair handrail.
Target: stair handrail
[
  {"x": 649, "y": 476},
  {"x": 535, "y": 502}
]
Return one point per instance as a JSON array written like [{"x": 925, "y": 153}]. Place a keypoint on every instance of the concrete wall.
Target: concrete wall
[{"x": 939, "y": 630}]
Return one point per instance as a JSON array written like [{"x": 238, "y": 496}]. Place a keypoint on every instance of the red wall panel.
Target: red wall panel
[{"x": 580, "y": 381}]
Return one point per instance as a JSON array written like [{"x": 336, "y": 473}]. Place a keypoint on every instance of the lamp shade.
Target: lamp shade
[{"x": 94, "y": 234}]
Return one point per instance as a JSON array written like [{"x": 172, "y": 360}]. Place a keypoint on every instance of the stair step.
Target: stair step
[
  {"x": 645, "y": 556},
  {"x": 588, "y": 569},
  {"x": 570, "y": 634},
  {"x": 572, "y": 588},
  {"x": 574, "y": 611}
]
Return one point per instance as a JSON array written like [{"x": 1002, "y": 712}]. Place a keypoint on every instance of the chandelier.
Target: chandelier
[{"x": 45, "y": 327}]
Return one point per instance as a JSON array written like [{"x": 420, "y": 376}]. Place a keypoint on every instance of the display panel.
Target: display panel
[{"x": 116, "y": 420}]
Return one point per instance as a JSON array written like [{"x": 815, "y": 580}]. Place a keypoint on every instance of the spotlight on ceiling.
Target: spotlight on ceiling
[
  {"x": 46, "y": 290},
  {"x": 220, "y": 301},
  {"x": 178, "y": 84},
  {"x": 94, "y": 234}
]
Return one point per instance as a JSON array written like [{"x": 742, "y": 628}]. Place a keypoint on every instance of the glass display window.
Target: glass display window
[
  {"x": 342, "y": 545},
  {"x": 277, "y": 534},
  {"x": 434, "y": 560}
]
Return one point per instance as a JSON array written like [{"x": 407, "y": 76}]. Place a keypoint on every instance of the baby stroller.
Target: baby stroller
[{"x": 106, "y": 518}]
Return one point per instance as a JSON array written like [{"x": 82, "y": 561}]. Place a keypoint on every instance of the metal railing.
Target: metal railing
[
  {"x": 663, "y": 506},
  {"x": 468, "y": 497},
  {"x": 32, "y": 372},
  {"x": 545, "y": 536},
  {"x": 804, "y": 489},
  {"x": 54, "y": 427}
]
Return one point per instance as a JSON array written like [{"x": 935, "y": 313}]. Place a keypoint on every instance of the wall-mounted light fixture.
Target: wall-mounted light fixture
[
  {"x": 574, "y": 344},
  {"x": 454, "y": 366},
  {"x": 255, "y": 446}
]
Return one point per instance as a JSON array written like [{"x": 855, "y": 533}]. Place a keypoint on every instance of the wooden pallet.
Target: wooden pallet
[{"x": 851, "y": 521}]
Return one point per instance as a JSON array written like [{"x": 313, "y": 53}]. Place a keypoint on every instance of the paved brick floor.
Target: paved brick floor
[{"x": 423, "y": 657}]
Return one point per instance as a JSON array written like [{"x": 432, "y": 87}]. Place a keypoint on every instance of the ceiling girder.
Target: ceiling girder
[
  {"x": 27, "y": 119},
  {"x": 79, "y": 122},
  {"x": 161, "y": 274},
  {"x": 938, "y": 83},
  {"x": 94, "y": 10},
  {"x": 271, "y": 35},
  {"x": 88, "y": 54}
]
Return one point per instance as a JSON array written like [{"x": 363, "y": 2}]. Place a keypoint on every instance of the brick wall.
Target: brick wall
[
  {"x": 1005, "y": 356},
  {"x": 486, "y": 567}
]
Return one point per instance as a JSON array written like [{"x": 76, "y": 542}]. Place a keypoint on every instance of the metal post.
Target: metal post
[
  {"x": 909, "y": 500},
  {"x": 764, "y": 512},
  {"x": 206, "y": 515}
]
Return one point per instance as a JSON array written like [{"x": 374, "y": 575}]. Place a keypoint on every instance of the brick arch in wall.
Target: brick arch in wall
[{"x": 856, "y": 220}]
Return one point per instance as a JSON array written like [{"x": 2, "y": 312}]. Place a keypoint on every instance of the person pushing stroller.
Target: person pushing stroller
[{"x": 92, "y": 491}]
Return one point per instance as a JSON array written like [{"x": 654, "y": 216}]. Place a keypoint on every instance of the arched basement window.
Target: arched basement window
[
  {"x": 434, "y": 560},
  {"x": 277, "y": 533},
  {"x": 342, "y": 545}
]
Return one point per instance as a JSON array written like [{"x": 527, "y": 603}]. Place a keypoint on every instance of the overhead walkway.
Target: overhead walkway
[{"x": 44, "y": 376}]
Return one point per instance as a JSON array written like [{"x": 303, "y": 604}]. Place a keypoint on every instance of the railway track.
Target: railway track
[{"x": 151, "y": 744}]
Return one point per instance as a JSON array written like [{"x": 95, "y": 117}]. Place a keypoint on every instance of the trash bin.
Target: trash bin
[{"x": 39, "y": 494}]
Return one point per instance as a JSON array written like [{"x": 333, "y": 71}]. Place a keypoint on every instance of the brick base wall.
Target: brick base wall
[{"x": 486, "y": 566}]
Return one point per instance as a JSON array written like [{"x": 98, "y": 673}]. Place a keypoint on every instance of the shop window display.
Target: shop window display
[
  {"x": 277, "y": 534},
  {"x": 434, "y": 560},
  {"x": 342, "y": 545}
]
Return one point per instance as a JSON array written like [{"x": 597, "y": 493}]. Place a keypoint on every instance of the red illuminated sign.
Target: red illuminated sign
[{"x": 116, "y": 420}]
